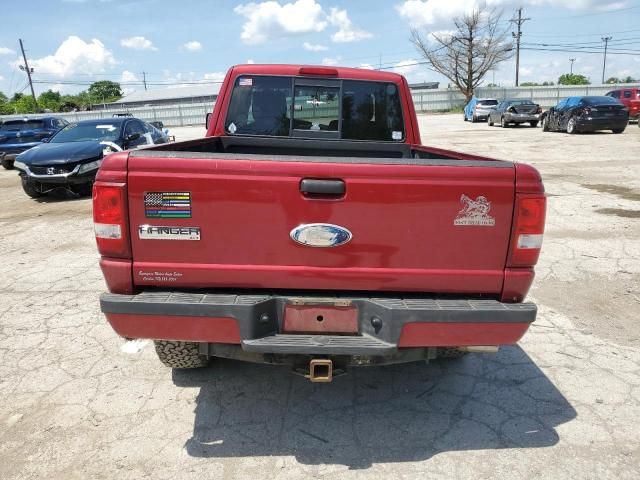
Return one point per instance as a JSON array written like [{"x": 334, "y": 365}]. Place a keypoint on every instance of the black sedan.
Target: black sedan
[
  {"x": 71, "y": 158},
  {"x": 17, "y": 136},
  {"x": 586, "y": 114},
  {"x": 515, "y": 112}
]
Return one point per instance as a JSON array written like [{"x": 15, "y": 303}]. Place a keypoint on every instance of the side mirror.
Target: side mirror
[{"x": 207, "y": 120}]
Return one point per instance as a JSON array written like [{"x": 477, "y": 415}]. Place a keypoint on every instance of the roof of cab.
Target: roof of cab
[{"x": 294, "y": 70}]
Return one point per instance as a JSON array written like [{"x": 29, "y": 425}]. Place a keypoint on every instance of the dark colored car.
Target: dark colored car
[
  {"x": 71, "y": 158},
  {"x": 630, "y": 98},
  {"x": 515, "y": 111},
  {"x": 17, "y": 136},
  {"x": 586, "y": 114}
]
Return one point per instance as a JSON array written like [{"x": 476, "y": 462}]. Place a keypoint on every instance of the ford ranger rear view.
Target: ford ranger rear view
[{"x": 310, "y": 227}]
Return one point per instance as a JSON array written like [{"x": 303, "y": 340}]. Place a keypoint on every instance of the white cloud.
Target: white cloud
[
  {"x": 367, "y": 66},
  {"x": 6, "y": 51},
  {"x": 269, "y": 19},
  {"x": 1, "y": 78},
  {"x": 406, "y": 67},
  {"x": 346, "y": 31},
  {"x": 128, "y": 76},
  {"x": 74, "y": 56},
  {"x": 215, "y": 76},
  {"x": 250, "y": 61},
  {"x": 428, "y": 12},
  {"x": 331, "y": 61},
  {"x": 314, "y": 47},
  {"x": 137, "y": 43},
  {"x": 193, "y": 46}
]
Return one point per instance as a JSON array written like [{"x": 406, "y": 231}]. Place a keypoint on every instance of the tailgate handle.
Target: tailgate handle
[{"x": 324, "y": 188}]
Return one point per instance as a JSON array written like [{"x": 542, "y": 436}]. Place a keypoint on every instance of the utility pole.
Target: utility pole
[
  {"x": 29, "y": 71},
  {"x": 604, "y": 62},
  {"x": 572, "y": 60},
  {"x": 144, "y": 80},
  {"x": 518, "y": 21}
]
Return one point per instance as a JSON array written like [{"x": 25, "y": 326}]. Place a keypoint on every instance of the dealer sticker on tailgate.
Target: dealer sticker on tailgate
[{"x": 474, "y": 212}]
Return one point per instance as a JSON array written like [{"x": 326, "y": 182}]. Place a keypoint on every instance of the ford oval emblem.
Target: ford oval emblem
[{"x": 320, "y": 235}]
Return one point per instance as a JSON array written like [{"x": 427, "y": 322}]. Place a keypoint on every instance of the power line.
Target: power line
[
  {"x": 132, "y": 83},
  {"x": 610, "y": 12},
  {"x": 546, "y": 35},
  {"x": 599, "y": 52}
]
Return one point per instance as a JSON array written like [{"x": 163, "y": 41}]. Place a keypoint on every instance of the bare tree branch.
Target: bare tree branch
[{"x": 476, "y": 47}]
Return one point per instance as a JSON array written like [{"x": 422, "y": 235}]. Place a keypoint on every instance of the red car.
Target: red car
[
  {"x": 630, "y": 98},
  {"x": 312, "y": 228}
]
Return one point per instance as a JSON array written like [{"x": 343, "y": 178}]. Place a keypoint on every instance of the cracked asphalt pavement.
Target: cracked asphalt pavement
[{"x": 77, "y": 402}]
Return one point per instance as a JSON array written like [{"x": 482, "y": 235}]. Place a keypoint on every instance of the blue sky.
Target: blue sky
[{"x": 74, "y": 42}]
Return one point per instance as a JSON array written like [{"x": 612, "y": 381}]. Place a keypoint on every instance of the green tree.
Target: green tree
[
  {"x": 3, "y": 98},
  {"x": 529, "y": 84},
  {"x": 629, "y": 79},
  {"x": 548, "y": 84},
  {"x": 50, "y": 100},
  {"x": 105, "y": 90},
  {"x": 573, "y": 79},
  {"x": 613, "y": 80},
  {"x": 24, "y": 104}
]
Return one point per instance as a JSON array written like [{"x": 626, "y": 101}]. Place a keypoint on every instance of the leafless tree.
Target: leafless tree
[{"x": 476, "y": 46}]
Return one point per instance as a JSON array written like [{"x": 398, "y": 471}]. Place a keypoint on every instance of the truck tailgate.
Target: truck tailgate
[{"x": 422, "y": 226}]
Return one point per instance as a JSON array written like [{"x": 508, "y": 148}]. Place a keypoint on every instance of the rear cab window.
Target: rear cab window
[
  {"x": 21, "y": 125},
  {"x": 287, "y": 106}
]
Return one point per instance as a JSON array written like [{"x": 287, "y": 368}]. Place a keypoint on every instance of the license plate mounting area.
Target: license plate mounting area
[{"x": 322, "y": 316}]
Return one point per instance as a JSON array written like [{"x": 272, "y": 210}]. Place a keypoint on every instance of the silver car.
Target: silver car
[{"x": 515, "y": 112}]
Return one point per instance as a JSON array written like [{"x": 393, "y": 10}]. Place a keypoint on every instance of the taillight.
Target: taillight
[
  {"x": 110, "y": 219},
  {"x": 528, "y": 229}
]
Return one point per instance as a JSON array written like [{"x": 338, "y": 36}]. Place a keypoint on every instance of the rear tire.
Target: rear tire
[
  {"x": 450, "y": 352},
  {"x": 30, "y": 189},
  {"x": 545, "y": 124},
  {"x": 176, "y": 354},
  {"x": 7, "y": 164},
  {"x": 571, "y": 126},
  {"x": 533, "y": 124},
  {"x": 473, "y": 119},
  {"x": 503, "y": 123},
  {"x": 489, "y": 121},
  {"x": 618, "y": 130}
]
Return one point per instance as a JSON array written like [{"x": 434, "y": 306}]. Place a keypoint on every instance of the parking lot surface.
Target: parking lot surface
[{"x": 77, "y": 402}]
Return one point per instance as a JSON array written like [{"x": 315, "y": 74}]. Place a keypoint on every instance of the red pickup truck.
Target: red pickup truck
[
  {"x": 311, "y": 227},
  {"x": 630, "y": 98}
]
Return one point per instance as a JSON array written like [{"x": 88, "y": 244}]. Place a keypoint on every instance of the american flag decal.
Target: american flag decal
[{"x": 167, "y": 204}]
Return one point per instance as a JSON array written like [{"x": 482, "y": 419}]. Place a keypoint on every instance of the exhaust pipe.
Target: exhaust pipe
[{"x": 320, "y": 370}]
